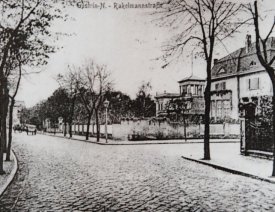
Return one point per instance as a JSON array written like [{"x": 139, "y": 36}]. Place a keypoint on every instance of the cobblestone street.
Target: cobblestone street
[{"x": 57, "y": 174}]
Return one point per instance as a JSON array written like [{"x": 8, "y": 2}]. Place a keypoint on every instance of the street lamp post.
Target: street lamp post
[{"x": 106, "y": 104}]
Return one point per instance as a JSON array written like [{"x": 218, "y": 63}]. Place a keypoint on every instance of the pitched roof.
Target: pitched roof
[
  {"x": 167, "y": 95},
  {"x": 241, "y": 61},
  {"x": 191, "y": 78}
]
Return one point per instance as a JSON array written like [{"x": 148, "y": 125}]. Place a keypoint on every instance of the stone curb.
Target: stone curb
[
  {"x": 11, "y": 175},
  {"x": 147, "y": 143},
  {"x": 232, "y": 171}
]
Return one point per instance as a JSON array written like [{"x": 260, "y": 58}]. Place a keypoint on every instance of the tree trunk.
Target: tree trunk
[
  {"x": 71, "y": 117},
  {"x": 1, "y": 152},
  {"x": 5, "y": 120},
  {"x": 70, "y": 130},
  {"x": 207, "y": 98},
  {"x": 273, "y": 125},
  {"x": 65, "y": 128},
  {"x": 93, "y": 128},
  {"x": 10, "y": 129},
  {"x": 97, "y": 126},
  {"x": 2, "y": 128},
  {"x": 5, "y": 134},
  {"x": 184, "y": 126},
  {"x": 4, "y": 101},
  {"x": 88, "y": 126}
]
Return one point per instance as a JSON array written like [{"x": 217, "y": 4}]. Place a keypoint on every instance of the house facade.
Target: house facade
[
  {"x": 192, "y": 86},
  {"x": 192, "y": 90},
  {"x": 191, "y": 94},
  {"x": 239, "y": 78}
]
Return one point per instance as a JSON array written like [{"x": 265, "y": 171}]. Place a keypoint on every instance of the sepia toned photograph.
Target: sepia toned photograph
[{"x": 137, "y": 105}]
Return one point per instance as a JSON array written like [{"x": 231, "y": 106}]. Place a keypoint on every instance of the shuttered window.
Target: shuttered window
[{"x": 254, "y": 83}]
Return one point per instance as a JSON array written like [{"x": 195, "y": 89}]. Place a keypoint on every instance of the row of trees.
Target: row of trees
[
  {"x": 24, "y": 42},
  {"x": 80, "y": 99}
]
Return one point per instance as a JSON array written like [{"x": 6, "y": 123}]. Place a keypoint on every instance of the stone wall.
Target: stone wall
[
  {"x": 226, "y": 130},
  {"x": 148, "y": 129},
  {"x": 144, "y": 129}
]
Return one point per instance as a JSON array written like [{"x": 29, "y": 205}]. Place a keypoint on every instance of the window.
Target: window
[
  {"x": 200, "y": 90},
  {"x": 254, "y": 100},
  {"x": 219, "y": 109},
  {"x": 213, "y": 108},
  {"x": 221, "y": 71},
  {"x": 252, "y": 63},
  {"x": 188, "y": 106},
  {"x": 254, "y": 83},
  {"x": 192, "y": 89},
  {"x": 223, "y": 85},
  {"x": 217, "y": 86},
  {"x": 220, "y": 86},
  {"x": 245, "y": 99},
  {"x": 189, "y": 89},
  {"x": 227, "y": 108},
  {"x": 184, "y": 89}
]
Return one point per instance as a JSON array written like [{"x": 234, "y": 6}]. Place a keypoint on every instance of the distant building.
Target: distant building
[
  {"x": 239, "y": 78},
  {"x": 162, "y": 100},
  {"x": 47, "y": 124},
  {"x": 192, "y": 86},
  {"x": 17, "y": 111},
  {"x": 191, "y": 91}
]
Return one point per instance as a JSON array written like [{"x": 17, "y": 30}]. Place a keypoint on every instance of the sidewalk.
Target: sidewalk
[
  {"x": 117, "y": 142},
  {"x": 10, "y": 167},
  {"x": 227, "y": 157}
]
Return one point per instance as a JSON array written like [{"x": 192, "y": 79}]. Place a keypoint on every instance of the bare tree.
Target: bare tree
[
  {"x": 95, "y": 82},
  {"x": 70, "y": 81},
  {"x": 266, "y": 59},
  {"x": 201, "y": 24}
]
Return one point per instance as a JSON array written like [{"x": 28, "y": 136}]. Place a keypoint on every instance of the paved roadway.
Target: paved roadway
[{"x": 57, "y": 174}]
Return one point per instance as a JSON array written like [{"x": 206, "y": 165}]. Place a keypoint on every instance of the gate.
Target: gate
[
  {"x": 258, "y": 136},
  {"x": 257, "y": 133}
]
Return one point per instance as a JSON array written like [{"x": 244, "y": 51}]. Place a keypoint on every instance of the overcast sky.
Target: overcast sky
[{"x": 127, "y": 42}]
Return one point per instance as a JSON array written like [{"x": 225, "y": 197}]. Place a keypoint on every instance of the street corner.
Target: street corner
[{"x": 10, "y": 168}]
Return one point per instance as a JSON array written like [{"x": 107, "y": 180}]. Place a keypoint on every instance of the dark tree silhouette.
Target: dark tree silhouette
[
  {"x": 266, "y": 59},
  {"x": 60, "y": 104},
  {"x": 143, "y": 104},
  {"x": 120, "y": 106},
  {"x": 24, "y": 26}
]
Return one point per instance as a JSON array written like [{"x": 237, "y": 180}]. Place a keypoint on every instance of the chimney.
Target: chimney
[{"x": 248, "y": 43}]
